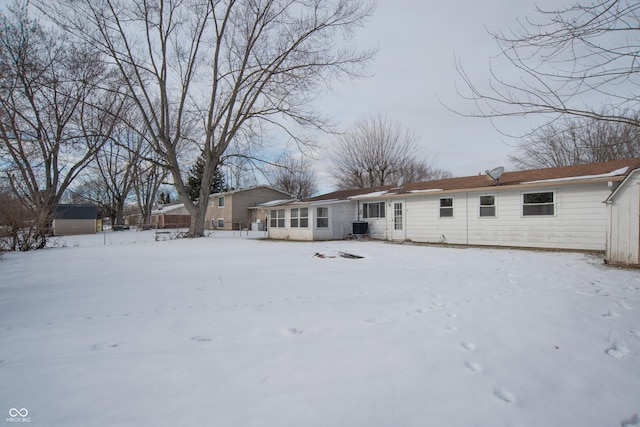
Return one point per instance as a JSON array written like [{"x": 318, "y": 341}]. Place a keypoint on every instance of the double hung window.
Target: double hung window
[
  {"x": 538, "y": 204},
  {"x": 299, "y": 217},
  {"x": 373, "y": 210},
  {"x": 276, "y": 218}
]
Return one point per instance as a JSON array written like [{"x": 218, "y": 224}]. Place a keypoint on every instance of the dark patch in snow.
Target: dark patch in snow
[
  {"x": 350, "y": 256},
  {"x": 633, "y": 421}
]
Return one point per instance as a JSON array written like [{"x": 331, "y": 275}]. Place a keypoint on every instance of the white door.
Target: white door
[{"x": 398, "y": 231}]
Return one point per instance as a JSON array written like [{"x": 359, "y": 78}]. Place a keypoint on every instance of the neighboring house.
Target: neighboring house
[
  {"x": 235, "y": 210},
  {"x": 559, "y": 208},
  {"x": 75, "y": 219},
  {"x": 231, "y": 210},
  {"x": 171, "y": 216}
]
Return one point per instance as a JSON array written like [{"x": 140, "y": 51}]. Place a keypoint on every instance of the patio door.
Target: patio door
[{"x": 398, "y": 231}]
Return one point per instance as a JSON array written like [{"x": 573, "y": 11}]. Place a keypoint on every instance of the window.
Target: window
[
  {"x": 487, "y": 206},
  {"x": 373, "y": 210},
  {"x": 220, "y": 222},
  {"x": 538, "y": 204},
  {"x": 299, "y": 217},
  {"x": 322, "y": 217},
  {"x": 446, "y": 207},
  {"x": 221, "y": 201},
  {"x": 277, "y": 218}
]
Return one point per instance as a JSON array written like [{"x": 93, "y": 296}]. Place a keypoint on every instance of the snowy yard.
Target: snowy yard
[{"x": 235, "y": 331}]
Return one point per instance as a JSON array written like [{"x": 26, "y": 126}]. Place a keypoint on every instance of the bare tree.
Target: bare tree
[
  {"x": 293, "y": 176},
  {"x": 218, "y": 68},
  {"x": 379, "y": 151},
  {"x": 578, "y": 140},
  {"x": 47, "y": 94},
  {"x": 148, "y": 176},
  {"x": 582, "y": 51}
]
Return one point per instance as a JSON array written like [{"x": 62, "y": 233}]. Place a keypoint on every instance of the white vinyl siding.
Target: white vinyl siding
[{"x": 579, "y": 221}]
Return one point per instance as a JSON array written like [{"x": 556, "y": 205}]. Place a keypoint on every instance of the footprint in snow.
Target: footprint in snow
[
  {"x": 295, "y": 331},
  {"x": 468, "y": 346},
  {"x": 452, "y": 315},
  {"x": 635, "y": 333},
  {"x": 473, "y": 366},
  {"x": 452, "y": 328},
  {"x": 611, "y": 315},
  {"x": 623, "y": 304},
  {"x": 504, "y": 395},
  {"x": 618, "y": 350},
  {"x": 102, "y": 346},
  {"x": 418, "y": 311},
  {"x": 377, "y": 321}
]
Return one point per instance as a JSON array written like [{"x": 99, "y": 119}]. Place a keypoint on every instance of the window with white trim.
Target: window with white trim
[
  {"x": 446, "y": 207},
  {"x": 536, "y": 204},
  {"x": 221, "y": 201},
  {"x": 299, "y": 217},
  {"x": 487, "y": 206},
  {"x": 276, "y": 217},
  {"x": 220, "y": 222},
  {"x": 322, "y": 217},
  {"x": 373, "y": 210}
]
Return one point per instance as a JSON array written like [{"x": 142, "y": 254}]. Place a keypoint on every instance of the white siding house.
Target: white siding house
[
  {"x": 323, "y": 220},
  {"x": 559, "y": 208},
  {"x": 574, "y": 217}
]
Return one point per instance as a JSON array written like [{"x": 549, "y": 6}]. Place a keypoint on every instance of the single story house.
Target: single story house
[
  {"x": 230, "y": 210},
  {"x": 73, "y": 219},
  {"x": 559, "y": 208},
  {"x": 171, "y": 216}
]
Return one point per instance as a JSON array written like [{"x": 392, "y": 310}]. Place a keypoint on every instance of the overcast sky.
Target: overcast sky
[{"x": 418, "y": 41}]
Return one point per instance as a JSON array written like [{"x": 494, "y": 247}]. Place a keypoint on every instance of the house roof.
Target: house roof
[
  {"x": 615, "y": 170},
  {"x": 242, "y": 190},
  {"x": 73, "y": 211},
  {"x": 168, "y": 209}
]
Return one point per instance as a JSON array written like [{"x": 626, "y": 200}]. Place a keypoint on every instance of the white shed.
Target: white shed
[{"x": 623, "y": 221}]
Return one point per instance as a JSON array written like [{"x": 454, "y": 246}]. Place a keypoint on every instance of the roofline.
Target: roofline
[
  {"x": 615, "y": 191},
  {"x": 249, "y": 188},
  {"x": 303, "y": 203},
  {"x": 493, "y": 188}
]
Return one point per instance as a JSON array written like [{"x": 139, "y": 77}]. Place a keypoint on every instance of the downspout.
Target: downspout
[{"x": 467, "y": 214}]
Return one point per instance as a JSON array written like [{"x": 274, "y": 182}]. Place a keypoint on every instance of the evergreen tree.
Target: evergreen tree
[{"x": 194, "y": 181}]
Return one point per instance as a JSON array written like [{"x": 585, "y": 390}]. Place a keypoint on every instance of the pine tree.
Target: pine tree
[{"x": 194, "y": 180}]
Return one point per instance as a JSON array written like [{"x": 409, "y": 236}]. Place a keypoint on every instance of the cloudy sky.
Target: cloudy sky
[{"x": 417, "y": 43}]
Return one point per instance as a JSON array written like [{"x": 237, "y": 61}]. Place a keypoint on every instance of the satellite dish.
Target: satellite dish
[{"x": 495, "y": 173}]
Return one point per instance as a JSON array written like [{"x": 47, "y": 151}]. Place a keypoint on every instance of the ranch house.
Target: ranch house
[{"x": 583, "y": 207}]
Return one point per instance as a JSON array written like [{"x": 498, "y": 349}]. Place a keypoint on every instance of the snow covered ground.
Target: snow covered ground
[{"x": 229, "y": 330}]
